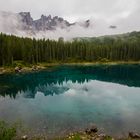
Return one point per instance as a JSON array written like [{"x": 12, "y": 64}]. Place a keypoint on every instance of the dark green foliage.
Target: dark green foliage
[{"x": 108, "y": 48}]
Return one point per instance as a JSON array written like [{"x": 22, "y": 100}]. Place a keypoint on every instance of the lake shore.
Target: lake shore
[
  {"x": 91, "y": 133},
  {"x": 16, "y": 132},
  {"x": 43, "y": 66}
]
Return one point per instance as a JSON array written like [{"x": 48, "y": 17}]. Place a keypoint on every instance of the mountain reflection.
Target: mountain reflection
[{"x": 50, "y": 82}]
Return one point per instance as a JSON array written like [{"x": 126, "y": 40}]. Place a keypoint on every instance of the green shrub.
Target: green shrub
[
  {"x": 108, "y": 138},
  {"x": 7, "y": 132}
]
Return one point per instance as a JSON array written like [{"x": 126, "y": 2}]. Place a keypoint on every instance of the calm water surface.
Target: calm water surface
[{"x": 68, "y": 98}]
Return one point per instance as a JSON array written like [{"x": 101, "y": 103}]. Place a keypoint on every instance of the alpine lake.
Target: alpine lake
[{"x": 64, "y": 99}]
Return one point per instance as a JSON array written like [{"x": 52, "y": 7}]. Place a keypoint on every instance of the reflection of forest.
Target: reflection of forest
[{"x": 45, "y": 81}]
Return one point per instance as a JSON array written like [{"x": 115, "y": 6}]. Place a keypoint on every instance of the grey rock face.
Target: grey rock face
[
  {"x": 46, "y": 22},
  {"x": 27, "y": 20}
]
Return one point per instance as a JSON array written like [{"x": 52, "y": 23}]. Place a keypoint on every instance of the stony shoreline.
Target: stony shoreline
[
  {"x": 88, "y": 134},
  {"x": 93, "y": 134}
]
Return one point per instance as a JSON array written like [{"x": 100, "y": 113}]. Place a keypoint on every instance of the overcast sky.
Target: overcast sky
[
  {"x": 75, "y": 9},
  {"x": 125, "y": 14}
]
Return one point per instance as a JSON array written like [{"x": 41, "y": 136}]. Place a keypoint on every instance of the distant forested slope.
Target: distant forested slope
[{"x": 125, "y": 47}]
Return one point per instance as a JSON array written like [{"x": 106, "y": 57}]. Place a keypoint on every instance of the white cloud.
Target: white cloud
[
  {"x": 73, "y": 8},
  {"x": 103, "y": 13}
]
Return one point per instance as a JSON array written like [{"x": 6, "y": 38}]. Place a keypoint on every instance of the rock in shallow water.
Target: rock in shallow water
[
  {"x": 91, "y": 130},
  {"x": 134, "y": 135}
]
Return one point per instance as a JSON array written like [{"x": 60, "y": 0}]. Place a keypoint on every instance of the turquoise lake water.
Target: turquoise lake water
[{"x": 68, "y": 98}]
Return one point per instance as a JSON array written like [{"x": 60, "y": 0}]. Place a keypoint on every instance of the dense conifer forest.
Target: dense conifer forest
[{"x": 125, "y": 47}]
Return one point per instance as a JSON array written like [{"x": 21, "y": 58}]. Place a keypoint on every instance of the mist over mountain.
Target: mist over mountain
[
  {"x": 24, "y": 25},
  {"x": 47, "y": 22},
  {"x": 53, "y": 27}
]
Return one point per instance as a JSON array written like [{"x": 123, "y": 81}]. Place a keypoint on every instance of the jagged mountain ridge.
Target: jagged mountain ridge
[
  {"x": 47, "y": 22},
  {"x": 22, "y": 24}
]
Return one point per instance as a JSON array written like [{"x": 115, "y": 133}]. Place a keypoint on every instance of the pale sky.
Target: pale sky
[{"x": 75, "y": 9}]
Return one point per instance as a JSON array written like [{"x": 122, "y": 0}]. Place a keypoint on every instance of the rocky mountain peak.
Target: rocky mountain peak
[
  {"x": 26, "y": 17},
  {"x": 47, "y": 22}
]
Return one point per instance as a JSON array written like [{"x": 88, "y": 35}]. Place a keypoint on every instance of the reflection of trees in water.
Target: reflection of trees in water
[
  {"x": 50, "y": 82},
  {"x": 51, "y": 89}
]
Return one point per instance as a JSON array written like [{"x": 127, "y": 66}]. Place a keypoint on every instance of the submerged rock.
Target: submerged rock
[
  {"x": 94, "y": 129},
  {"x": 91, "y": 130},
  {"x": 134, "y": 135}
]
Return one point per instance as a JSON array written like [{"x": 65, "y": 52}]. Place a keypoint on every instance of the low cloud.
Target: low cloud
[{"x": 10, "y": 23}]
